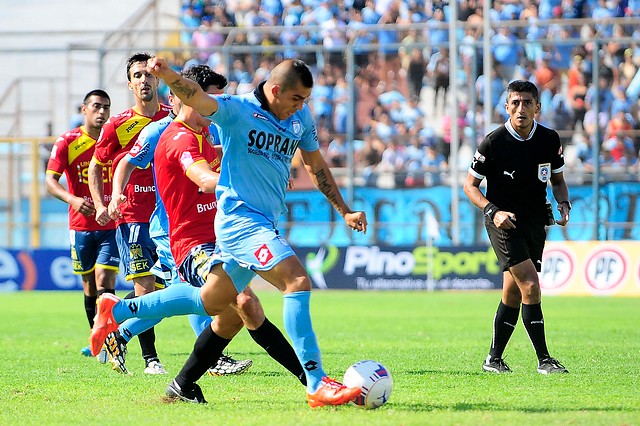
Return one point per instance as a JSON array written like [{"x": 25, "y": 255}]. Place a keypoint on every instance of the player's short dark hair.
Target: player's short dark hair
[
  {"x": 205, "y": 77},
  {"x": 135, "y": 58},
  {"x": 289, "y": 73},
  {"x": 523, "y": 86},
  {"x": 96, "y": 92}
]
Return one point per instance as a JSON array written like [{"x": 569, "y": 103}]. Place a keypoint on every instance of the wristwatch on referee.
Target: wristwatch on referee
[{"x": 567, "y": 202}]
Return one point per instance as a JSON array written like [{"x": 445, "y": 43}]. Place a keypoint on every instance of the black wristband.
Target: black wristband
[
  {"x": 490, "y": 210},
  {"x": 568, "y": 203}
]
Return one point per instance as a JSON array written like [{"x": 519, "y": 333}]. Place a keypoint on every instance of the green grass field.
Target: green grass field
[{"x": 433, "y": 344}]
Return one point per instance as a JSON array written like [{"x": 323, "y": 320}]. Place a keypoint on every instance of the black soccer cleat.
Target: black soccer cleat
[
  {"x": 550, "y": 366},
  {"x": 117, "y": 349},
  {"x": 194, "y": 395},
  {"x": 496, "y": 365}
]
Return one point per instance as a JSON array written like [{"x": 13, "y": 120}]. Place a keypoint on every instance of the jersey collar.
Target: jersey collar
[
  {"x": 515, "y": 134},
  {"x": 259, "y": 94}
]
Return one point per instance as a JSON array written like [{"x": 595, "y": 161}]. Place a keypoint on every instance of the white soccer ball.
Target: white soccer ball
[{"x": 373, "y": 379}]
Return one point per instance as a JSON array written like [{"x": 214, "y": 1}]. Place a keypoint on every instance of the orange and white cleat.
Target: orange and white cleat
[
  {"x": 332, "y": 392},
  {"x": 103, "y": 323}
]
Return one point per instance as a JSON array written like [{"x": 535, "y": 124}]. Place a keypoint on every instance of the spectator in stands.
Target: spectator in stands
[
  {"x": 437, "y": 28},
  {"x": 560, "y": 51},
  {"x": 393, "y": 158},
  {"x": 412, "y": 114},
  {"x": 416, "y": 69},
  {"x": 190, "y": 21},
  {"x": 358, "y": 34},
  {"x": 506, "y": 52},
  {"x": 434, "y": 165},
  {"x": 627, "y": 69},
  {"x": 621, "y": 150},
  {"x": 496, "y": 89},
  {"x": 438, "y": 73},
  {"x": 382, "y": 126},
  {"x": 577, "y": 94},
  {"x": 604, "y": 89},
  {"x": 601, "y": 13},
  {"x": 619, "y": 124},
  {"x": 336, "y": 154},
  {"x": 341, "y": 105},
  {"x": 334, "y": 39},
  {"x": 322, "y": 101},
  {"x": 545, "y": 77},
  {"x": 414, "y": 155},
  {"x": 240, "y": 79},
  {"x": 369, "y": 158},
  {"x": 206, "y": 38}
]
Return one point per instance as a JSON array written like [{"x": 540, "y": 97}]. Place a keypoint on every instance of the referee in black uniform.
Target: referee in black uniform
[{"x": 518, "y": 159}]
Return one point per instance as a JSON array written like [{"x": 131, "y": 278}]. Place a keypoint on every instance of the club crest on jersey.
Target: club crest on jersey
[
  {"x": 544, "y": 172},
  {"x": 297, "y": 127}
]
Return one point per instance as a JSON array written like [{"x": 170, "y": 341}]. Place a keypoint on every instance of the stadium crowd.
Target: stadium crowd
[{"x": 403, "y": 123}]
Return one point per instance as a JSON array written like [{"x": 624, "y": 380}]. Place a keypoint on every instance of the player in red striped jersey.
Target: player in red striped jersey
[
  {"x": 137, "y": 250},
  {"x": 94, "y": 253}
]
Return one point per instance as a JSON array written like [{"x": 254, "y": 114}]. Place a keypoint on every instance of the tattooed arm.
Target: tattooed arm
[
  {"x": 187, "y": 90},
  {"x": 323, "y": 179}
]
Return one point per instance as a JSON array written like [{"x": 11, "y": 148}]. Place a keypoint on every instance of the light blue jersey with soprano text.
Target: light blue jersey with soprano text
[{"x": 258, "y": 149}]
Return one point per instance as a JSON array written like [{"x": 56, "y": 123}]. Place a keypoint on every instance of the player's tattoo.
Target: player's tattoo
[
  {"x": 182, "y": 88},
  {"x": 326, "y": 189}
]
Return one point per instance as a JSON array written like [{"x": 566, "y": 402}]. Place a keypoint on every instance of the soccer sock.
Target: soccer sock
[
  {"x": 199, "y": 323},
  {"x": 135, "y": 326},
  {"x": 147, "y": 341},
  {"x": 106, "y": 290},
  {"x": 174, "y": 300},
  {"x": 276, "y": 345},
  {"x": 206, "y": 351},
  {"x": 534, "y": 324},
  {"x": 504, "y": 323},
  {"x": 297, "y": 322},
  {"x": 90, "y": 308}
]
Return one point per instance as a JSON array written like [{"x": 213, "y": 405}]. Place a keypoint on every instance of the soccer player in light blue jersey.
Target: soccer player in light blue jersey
[
  {"x": 262, "y": 131},
  {"x": 141, "y": 155}
]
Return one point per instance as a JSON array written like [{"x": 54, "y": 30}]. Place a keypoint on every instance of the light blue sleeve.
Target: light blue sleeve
[{"x": 141, "y": 154}]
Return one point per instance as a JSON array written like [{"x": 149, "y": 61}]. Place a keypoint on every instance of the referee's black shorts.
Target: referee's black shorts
[{"x": 513, "y": 246}]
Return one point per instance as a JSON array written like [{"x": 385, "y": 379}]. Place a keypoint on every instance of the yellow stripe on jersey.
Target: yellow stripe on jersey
[
  {"x": 130, "y": 129},
  {"x": 80, "y": 146}
]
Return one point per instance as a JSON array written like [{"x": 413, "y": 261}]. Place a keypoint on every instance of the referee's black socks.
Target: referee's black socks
[
  {"x": 504, "y": 323},
  {"x": 534, "y": 324}
]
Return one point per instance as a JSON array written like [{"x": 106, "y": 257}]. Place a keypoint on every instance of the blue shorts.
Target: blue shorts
[
  {"x": 196, "y": 266},
  {"x": 93, "y": 248},
  {"x": 165, "y": 267},
  {"x": 137, "y": 250},
  {"x": 248, "y": 241}
]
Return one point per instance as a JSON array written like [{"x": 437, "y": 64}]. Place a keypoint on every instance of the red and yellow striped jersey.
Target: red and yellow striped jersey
[
  {"x": 118, "y": 135},
  {"x": 71, "y": 155}
]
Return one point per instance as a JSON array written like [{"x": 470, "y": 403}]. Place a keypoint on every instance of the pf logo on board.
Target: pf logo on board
[
  {"x": 606, "y": 269},
  {"x": 558, "y": 266}
]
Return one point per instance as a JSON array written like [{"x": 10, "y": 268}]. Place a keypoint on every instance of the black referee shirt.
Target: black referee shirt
[{"x": 517, "y": 170}]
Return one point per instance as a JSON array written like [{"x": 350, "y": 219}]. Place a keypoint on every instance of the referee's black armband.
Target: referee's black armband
[{"x": 490, "y": 210}]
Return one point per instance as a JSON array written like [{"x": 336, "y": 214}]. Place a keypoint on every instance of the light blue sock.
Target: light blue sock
[
  {"x": 173, "y": 300},
  {"x": 297, "y": 322},
  {"x": 134, "y": 326},
  {"x": 199, "y": 323}
]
